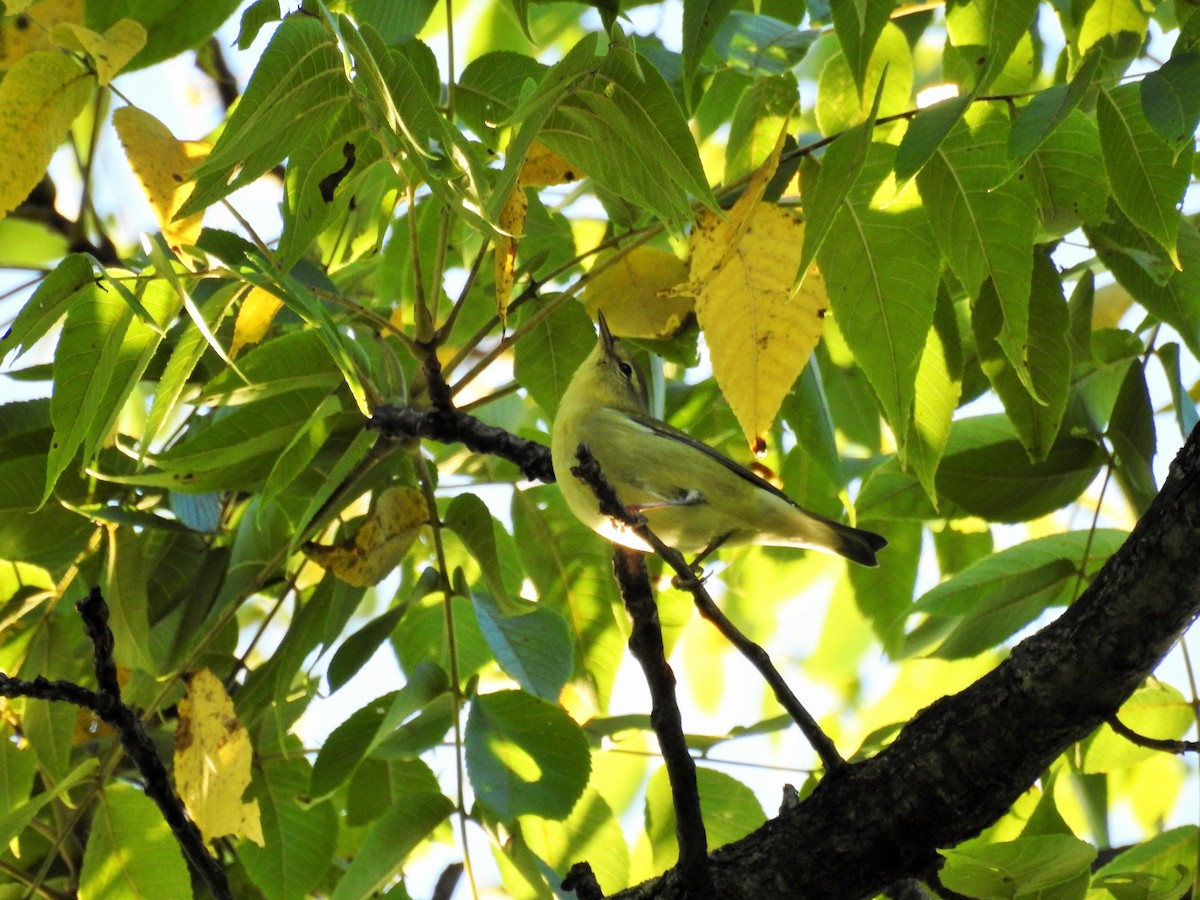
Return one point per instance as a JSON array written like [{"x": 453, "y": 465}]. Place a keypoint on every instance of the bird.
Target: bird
[{"x": 692, "y": 496}]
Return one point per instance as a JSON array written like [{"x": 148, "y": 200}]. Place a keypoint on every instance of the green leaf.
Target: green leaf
[
  {"x": 572, "y": 572},
  {"x": 14, "y": 820},
  {"x": 1162, "y": 867},
  {"x": 300, "y": 837},
  {"x": 1049, "y": 358},
  {"x": 1171, "y": 98},
  {"x": 990, "y": 600},
  {"x": 987, "y": 473},
  {"x": 1156, "y": 710},
  {"x": 395, "y": 22},
  {"x": 131, "y": 851},
  {"x": 761, "y": 44},
  {"x": 1131, "y": 430},
  {"x": 591, "y": 832},
  {"x": 489, "y": 90},
  {"x": 1127, "y": 251},
  {"x": 729, "y": 809},
  {"x": 102, "y": 353},
  {"x": 172, "y": 26},
  {"x": 982, "y": 36},
  {"x": 469, "y": 518},
  {"x": 925, "y": 134},
  {"x": 938, "y": 388},
  {"x": 298, "y": 83},
  {"x": 762, "y": 112},
  {"x": 1048, "y": 109},
  {"x": 881, "y": 273},
  {"x": 525, "y": 756},
  {"x": 388, "y": 844},
  {"x": 378, "y": 784},
  {"x": 1117, "y": 26},
  {"x": 1148, "y": 178},
  {"x": 1016, "y": 868},
  {"x": 255, "y": 16},
  {"x": 370, "y": 726},
  {"x": 806, "y": 411},
  {"x": 533, "y": 644},
  {"x": 701, "y": 19},
  {"x": 48, "y": 304},
  {"x": 889, "y": 77},
  {"x": 1181, "y": 401},
  {"x": 549, "y": 354},
  {"x": 128, "y": 604},
  {"x": 984, "y": 225},
  {"x": 1067, "y": 174},
  {"x": 858, "y": 26}
]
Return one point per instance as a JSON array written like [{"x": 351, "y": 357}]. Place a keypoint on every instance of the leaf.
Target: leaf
[
  {"x": 1171, "y": 98},
  {"x": 1117, "y": 26},
  {"x": 635, "y": 294},
  {"x": 984, "y": 225},
  {"x": 729, "y": 809},
  {"x": 1049, "y": 358},
  {"x": 388, "y": 844},
  {"x": 299, "y": 80},
  {"x": 489, "y": 89},
  {"x": 1067, "y": 175},
  {"x": 842, "y": 103},
  {"x": 1162, "y": 866},
  {"x": 102, "y": 353},
  {"x": 13, "y": 821},
  {"x": 490, "y": 545},
  {"x": 288, "y": 362},
  {"x": 18, "y": 39},
  {"x": 212, "y": 762},
  {"x": 983, "y": 35},
  {"x": 1016, "y": 868},
  {"x": 759, "y": 334},
  {"x": 532, "y": 645},
  {"x": 254, "y": 17},
  {"x": 48, "y": 304},
  {"x": 359, "y": 647},
  {"x": 987, "y": 473},
  {"x": 525, "y": 756},
  {"x": 993, "y": 598},
  {"x": 1181, "y": 401},
  {"x": 300, "y": 837},
  {"x": 380, "y": 542},
  {"x": 110, "y": 51},
  {"x": 938, "y": 388},
  {"x": 545, "y": 360},
  {"x": 40, "y": 97},
  {"x": 172, "y": 26},
  {"x": 761, "y": 44},
  {"x": 881, "y": 268},
  {"x": 858, "y": 26},
  {"x": 1131, "y": 430},
  {"x": 164, "y": 166},
  {"x": 1039, "y": 118},
  {"x": 1156, "y": 710},
  {"x": 1148, "y": 178},
  {"x": 925, "y": 134},
  {"x": 701, "y": 19},
  {"x": 128, "y": 604},
  {"x": 130, "y": 850},
  {"x": 254, "y": 317}
]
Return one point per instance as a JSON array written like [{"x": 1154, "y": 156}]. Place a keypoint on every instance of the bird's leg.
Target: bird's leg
[{"x": 716, "y": 542}]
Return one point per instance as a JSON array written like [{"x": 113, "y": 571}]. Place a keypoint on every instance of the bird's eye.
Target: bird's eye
[{"x": 626, "y": 369}]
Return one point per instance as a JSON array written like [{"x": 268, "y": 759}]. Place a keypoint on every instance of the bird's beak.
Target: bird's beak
[{"x": 606, "y": 337}]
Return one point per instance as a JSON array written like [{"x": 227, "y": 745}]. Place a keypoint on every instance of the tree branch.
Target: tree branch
[{"x": 962, "y": 762}]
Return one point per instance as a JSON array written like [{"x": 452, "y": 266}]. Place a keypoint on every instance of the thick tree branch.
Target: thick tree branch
[{"x": 961, "y": 763}]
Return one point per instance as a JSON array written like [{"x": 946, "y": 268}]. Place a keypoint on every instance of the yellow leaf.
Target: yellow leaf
[
  {"x": 29, "y": 25},
  {"x": 759, "y": 335},
  {"x": 254, "y": 318},
  {"x": 634, "y": 293},
  {"x": 164, "y": 166},
  {"x": 212, "y": 762},
  {"x": 39, "y": 99},
  {"x": 542, "y": 167},
  {"x": 111, "y": 51},
  {"x": 380, "y": 542}
]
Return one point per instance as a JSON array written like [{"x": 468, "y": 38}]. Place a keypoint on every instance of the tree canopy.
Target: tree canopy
[{"x": 290, "y": 605}]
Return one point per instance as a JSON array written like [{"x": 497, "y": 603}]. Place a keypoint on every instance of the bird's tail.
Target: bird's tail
[
  {"x": 856, "y": 544},
  {"x": 816, "y": 532}
]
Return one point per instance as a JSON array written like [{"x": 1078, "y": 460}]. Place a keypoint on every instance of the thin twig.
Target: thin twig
[
  {"x": 589, "y": 472},
  {"x": 1165, "y": 744}
]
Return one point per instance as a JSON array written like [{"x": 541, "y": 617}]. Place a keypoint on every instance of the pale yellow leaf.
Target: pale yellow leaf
[
  {"x": 635, "y": 294},
  {"x": 543, "y": 167},
  {"x": 164, "y": 166},
  {"x": 111, "y": 51},
  {"x": 254, "y": 317},
  {"x": 29, "y": 25},
  {"x": 39, "y": 99},
  {"x": 381, "y": 541},
  {"x": 759, "y": 334},
  {"x": 212, "y": 762}
]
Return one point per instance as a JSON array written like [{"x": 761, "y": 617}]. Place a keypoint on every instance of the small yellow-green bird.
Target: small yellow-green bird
[{"x": 694, "y": 498}]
